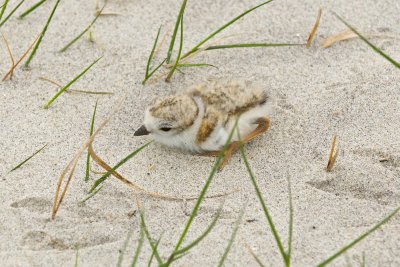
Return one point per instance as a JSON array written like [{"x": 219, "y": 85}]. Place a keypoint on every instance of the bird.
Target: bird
[{"x": 199, "y": 120}]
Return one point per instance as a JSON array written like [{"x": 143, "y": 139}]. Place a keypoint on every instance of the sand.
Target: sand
[{"x": 346, "y": 90}]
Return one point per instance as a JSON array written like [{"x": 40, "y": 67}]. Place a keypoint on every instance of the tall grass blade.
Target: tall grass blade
[
  {"x": 119, "y": 164},
  {"x": 264, "y": 207},
  {"x": 151, "y": 56},
  {"x": 3, "y": 8},
  {"x": 202, "y": 236},
  {"x": 84, "y": 31},
  {"x": 153, "y": 71},
  {"x": 178, "y": 57},
  {"x": 90, "y": 134},
  {"x": 31, "y": 9},
  {"x": 178, "y": 22},
  {"x": 91, "y": 194},
  {"x": 358, "y": 239},
  {"x": 148, "y": 236},
  {"x": 154, "y": 250},
  {"x": 195, "y": 48},
  {"x": 232, "y": 239},
  {"x": 290, "y": 239},
  {"x": 214, "y": 47},
  {"x": 11, "y": 13},
  {"x": 202, "y": 195},
  {"x": 139, "y": 246},
  {"x": 376, "y": 49},
  {"x": 30, "y": 157},
  {"x": 70, "y": 83},
  {"x": 123, "y": 249},
  {"x": 35, "y": 48}
]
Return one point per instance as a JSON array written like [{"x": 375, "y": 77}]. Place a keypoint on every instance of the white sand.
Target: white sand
[{"x": 346, "y": 89}]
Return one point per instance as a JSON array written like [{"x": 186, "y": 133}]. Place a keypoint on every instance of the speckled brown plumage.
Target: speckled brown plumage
[
  {"x": 179, "y": 108},
  {"x": 223, "y": 100}
]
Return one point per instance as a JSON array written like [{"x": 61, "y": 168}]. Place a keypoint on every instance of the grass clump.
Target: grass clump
[
  {"x": 69, "y": 84},
  {"x": 180, "y": 60},
  {"x": 149, "y": 73}
]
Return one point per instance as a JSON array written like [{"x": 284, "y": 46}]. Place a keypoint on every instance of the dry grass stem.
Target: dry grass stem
[
  {"x": 314, "y": 29},
  {"x": 11, "y": 56},
  {"x": 74, "y": 90},
  {"x": 20, "y": 59},
  {"x": 139, "y": 189},
  {"x": 349, "y": 34},
  {"x": 72, "y": 164},
  {"x": 253, "y": 254},
  {"x": 332, "y": 156}
]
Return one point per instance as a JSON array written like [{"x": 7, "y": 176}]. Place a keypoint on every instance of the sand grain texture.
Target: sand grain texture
[{"x": 346, "y": 90}]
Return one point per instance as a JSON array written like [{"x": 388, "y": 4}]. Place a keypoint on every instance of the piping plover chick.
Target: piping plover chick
[{"x": 201, "y": 119}]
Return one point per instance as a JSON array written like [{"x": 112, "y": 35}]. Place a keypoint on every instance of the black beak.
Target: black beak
[{"x": 141, "y": 131}]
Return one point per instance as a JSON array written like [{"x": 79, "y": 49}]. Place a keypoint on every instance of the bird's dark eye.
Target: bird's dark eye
[{"x": 165, "y": 129}]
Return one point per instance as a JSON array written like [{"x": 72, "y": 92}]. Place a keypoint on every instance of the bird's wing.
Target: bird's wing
[{"x": 229, "y": 98}]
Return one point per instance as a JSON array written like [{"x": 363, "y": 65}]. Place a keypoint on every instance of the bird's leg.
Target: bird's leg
[{"x": 263, "y": 125}]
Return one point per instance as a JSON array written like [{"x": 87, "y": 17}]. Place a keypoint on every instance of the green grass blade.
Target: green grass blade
[
  {"x": 178, "y": 57},
  {"x": 107, "y": 174},
  {"x": 202, "y": 236},
  {"x": 76, "y": 256},
  {"x": 123, "y": 249},
  {"x": 148, "y": 236},
  {"x": 91, "y": 194},
  {"x": 152, "y": 54},
  {"x": 35, "y": 48},
  {"x": 31, "y": 9},
  {"x": 232, "y": 239},
  {"x": 202, "y": 195},
  {"x": 195, "y": 48},
  {"x": 139, "y": 247},
  {"x": 358, "y": 239},
  {"x": 264, "y": 207},
  {"x": 12, "y": 12},
  {"x": 23, "y": 162},
  {"x": 90, "y": 134},
  {"x": 83, "y": 32},
  {"x": 290, "y": 239},
  {"x": 178, "y": 22},
  {"x": 376, "y": 49},
  {"x": 154, "y": 250},
  {"x": 214, "y": 47},
  {"x": 70, "y": 83},
  {"x": 153, "y": 71},
  {"x": 3, "y": 8},
  {"x": 196, "y": 65}
]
